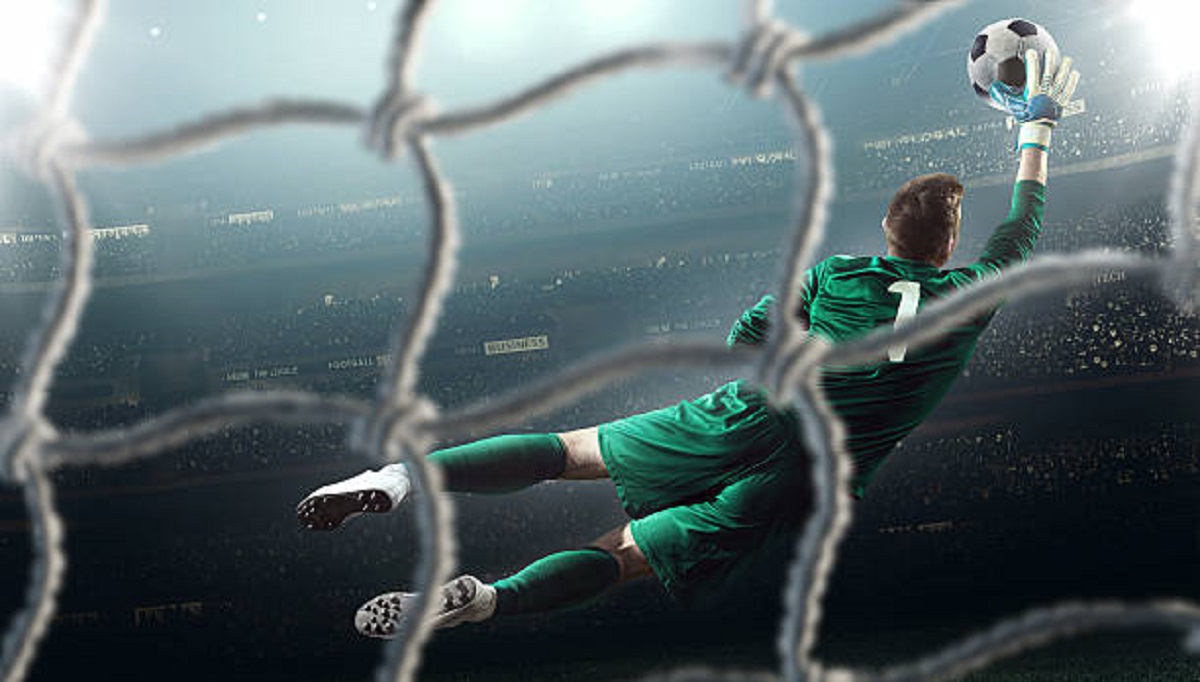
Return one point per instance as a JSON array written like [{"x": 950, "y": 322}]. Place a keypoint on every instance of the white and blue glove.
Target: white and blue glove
[{"x": 1039, "y": 105}]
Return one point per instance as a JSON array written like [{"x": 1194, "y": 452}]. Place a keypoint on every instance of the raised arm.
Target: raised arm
[
  {"x": 1033, "y": 165},
  {"x": 1037, "y": 107}
]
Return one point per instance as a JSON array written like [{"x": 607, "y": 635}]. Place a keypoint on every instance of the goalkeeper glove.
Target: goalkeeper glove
[{"x": 1039, "y": 105}]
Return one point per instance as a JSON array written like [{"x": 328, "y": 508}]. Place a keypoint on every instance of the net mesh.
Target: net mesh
[{"x": 402, "y": 425}]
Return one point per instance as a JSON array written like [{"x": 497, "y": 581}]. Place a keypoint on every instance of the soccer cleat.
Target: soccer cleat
[
  {"x": 464, "y": 600},
  {"x": 371, "y": 491}
]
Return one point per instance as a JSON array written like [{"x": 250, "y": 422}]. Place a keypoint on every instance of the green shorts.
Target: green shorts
[{"x": 715, "y": 486}]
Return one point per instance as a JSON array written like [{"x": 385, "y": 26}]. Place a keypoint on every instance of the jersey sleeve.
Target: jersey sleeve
[
  {"x": 807, "y": 292},
  {"x": 752, "y": 327},
  {"x": 1012, "y": 241}
]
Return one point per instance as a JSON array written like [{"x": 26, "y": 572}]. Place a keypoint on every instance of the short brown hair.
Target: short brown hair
[{"x": 922, "y": 216}]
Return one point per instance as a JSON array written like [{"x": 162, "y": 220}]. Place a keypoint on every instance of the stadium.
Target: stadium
[{"x": 1064, "y": 464}]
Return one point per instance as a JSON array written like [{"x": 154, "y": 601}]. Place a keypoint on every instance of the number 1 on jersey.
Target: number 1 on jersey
[{"x": 910, "y": 295}]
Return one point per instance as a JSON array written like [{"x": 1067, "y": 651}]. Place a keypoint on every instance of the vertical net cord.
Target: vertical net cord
[
  {"x": 405, "y": 437},
  {"x": 817, "y": 547},
  {"x": 387, "y": 129},
  {"x": 79, "y": 43},
  {"x": 1184, "y": 208},
  {"x": 445, "y": 240},
  {"x": 403, "y": 424},
  {"x": 820, "y": 427},
  {"x": 812, "y": 209},
  {"x": 401, "y": 65},
  {"x": 45, "y": 575},
  {"x": 435, "y": 519},
  {"x": 49, "y": 342}
]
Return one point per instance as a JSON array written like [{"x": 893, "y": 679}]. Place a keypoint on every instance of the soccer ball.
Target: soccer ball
[{"x": 998, "y": 53}]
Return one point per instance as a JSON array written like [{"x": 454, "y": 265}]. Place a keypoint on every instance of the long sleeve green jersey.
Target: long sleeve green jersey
[{"x": 845, "y": 297}]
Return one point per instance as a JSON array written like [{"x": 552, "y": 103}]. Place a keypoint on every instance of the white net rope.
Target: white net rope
[{"x": 402, "y": 425}]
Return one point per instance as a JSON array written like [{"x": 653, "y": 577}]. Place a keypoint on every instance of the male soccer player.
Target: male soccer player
[{"x": 715, "y": 485}]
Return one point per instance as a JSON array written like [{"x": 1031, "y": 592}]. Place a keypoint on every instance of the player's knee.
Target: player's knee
[
  {"x": 620, "y": 545},
  {"x": 583, "y": 460}
]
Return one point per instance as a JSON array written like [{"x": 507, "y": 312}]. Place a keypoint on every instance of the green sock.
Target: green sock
[
  {"x": 501, "y": 464},
  {"x": 564, "y": 579}
]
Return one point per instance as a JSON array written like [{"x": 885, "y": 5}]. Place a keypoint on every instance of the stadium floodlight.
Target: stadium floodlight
[
  {"x": 30, "y": 34},
  {"x": 1167, "y": 26}
]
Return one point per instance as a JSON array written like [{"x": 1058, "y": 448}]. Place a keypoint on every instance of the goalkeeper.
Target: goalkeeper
[{"x": 717, "y": 486}]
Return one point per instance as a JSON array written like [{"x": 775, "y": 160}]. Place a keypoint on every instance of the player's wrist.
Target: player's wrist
[{"x": 1034, "y": 134}]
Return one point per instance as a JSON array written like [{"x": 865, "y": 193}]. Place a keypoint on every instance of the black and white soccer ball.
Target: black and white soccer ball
[{"x": 998, "y": 53}]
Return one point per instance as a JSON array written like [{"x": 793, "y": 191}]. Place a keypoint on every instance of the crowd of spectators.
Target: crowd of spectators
[
  {"x": 1103, "y": 330},
  {"x": 592, "y": 201},
  {"x": 1000, "y": 464},
  {"x": 1119, "y": 324},
  {"x": 684, "y": 184},
  {"x": 334, "y": 325}
]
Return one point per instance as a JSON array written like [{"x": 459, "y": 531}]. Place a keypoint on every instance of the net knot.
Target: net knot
[
  {"x": 406, "y": 424},
  {"x": 790, "y": 362},
  {"x": 762, "y": 54},
  {"x": 35, "y": 147},
  {"x": 393, "y": 120},
  {"x": 19, "y": 437}
]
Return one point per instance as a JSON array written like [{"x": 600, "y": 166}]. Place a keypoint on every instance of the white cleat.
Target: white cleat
[
  {"x": 376, "y": 492},
  {"x": 464, "y": 600}
]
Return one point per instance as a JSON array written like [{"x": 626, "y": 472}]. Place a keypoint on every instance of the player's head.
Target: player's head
[{"x": 923, "y": 218}]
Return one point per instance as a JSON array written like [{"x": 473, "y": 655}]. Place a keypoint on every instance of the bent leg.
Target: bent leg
[
  {"x": 558, "y": 581},
  {"x": 619, "y": 543},
  {"x": 572, "y": 577},
  {"x": 584, "y": 462}
]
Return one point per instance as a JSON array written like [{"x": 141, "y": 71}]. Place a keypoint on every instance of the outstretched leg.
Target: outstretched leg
[
  {"x": 493, "y": 465},
  {"x": 558, "y": 581}
]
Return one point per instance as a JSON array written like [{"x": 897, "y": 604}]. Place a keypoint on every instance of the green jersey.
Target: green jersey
[{"x": 846, "y": 297}]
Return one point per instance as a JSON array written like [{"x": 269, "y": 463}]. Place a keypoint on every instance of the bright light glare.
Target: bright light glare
[
  {"x": 617, "y": 17},
  {"x": 30, "y": 35},
  {"x": 1170, "y": 28},
  {"x": 489, "y": 16},
  {"x": 488, "y": 29},
  {"x": 612, "y": 10}
]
